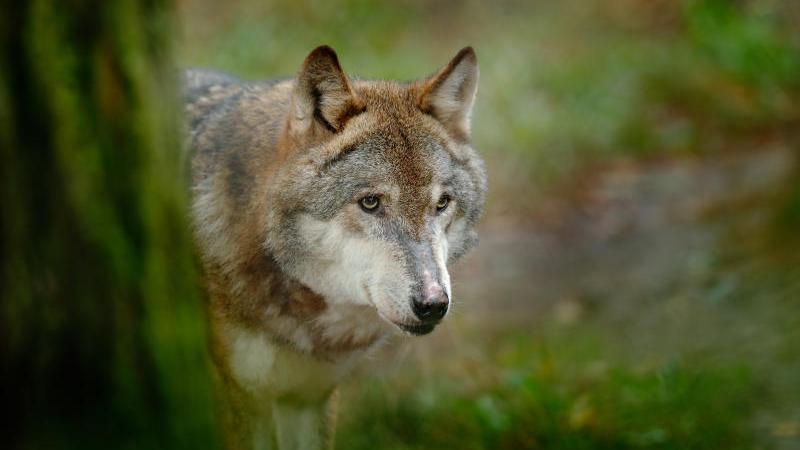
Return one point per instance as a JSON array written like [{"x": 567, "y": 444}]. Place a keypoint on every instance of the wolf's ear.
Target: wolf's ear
[
  {"x": 449, "y": 94},
  {"x": 322, "y": 93}
]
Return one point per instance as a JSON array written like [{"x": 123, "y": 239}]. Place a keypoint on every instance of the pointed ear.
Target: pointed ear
[
  {"x": 450, "y": 93},
  {"x": 322, "y": 93}
]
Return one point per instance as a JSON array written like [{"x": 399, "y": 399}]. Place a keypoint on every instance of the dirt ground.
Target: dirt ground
[
  {"x": 626, "y": 231},
  {"x": 647, "y": 253}
]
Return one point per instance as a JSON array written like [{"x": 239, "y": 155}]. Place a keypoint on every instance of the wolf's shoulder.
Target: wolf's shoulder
[
  {"x": 203, "y": 78},
  {"x": 210, "y": 93},
  {"x": 207, "y": 86},
  {"x": 197, "y": 83}
]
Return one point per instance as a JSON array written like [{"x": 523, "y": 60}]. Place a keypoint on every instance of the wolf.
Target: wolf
[{"x": 326, "y": 210}]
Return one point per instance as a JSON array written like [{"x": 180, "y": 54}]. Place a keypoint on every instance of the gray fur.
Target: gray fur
[{"x": 278, "y": 170}]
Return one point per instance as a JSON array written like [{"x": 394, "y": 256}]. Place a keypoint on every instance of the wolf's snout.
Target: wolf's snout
[{"x": 431, "y": 307}]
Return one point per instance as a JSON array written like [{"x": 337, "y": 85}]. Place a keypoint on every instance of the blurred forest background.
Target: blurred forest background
[{"x": 637, "y": 284}]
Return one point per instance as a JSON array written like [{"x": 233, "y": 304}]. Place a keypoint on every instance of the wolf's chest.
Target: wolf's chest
[
  {"x": 262, "y": 366},
  {"x": 333, "y": 348}
]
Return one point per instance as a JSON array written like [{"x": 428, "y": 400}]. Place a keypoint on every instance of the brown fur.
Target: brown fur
[{"x": 250, "y": 144}]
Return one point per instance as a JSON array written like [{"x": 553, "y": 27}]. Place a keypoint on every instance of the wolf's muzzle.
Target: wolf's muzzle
[
  {"x": 431, "y": 308},
  {"x": 429, "y": 301}
]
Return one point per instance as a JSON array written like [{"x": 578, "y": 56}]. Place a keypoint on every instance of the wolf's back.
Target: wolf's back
[{"x": 206, "y": 91}]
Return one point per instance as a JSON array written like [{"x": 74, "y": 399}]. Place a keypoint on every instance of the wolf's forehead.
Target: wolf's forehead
[
  {"x": 395, "y": 128},
  {"x": 408, "y": 156}
]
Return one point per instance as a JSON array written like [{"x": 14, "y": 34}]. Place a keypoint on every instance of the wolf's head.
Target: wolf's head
[{"x": 380, "y": 187}]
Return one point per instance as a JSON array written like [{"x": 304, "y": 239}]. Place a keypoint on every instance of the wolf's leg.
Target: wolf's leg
[
  {"x": 331, "y": 413},
  {"x": 247, "y": 421},
  {"x": 246, "y": 414},
  {"x": 304, "y": 426},
  {"x": 262, "y": 428}
]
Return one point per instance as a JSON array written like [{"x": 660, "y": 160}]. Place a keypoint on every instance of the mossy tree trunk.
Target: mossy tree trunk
[{"x": 102, "y": 334}]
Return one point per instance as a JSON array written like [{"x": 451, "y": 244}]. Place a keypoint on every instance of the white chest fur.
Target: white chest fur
[{"x": 265, "y": 367}]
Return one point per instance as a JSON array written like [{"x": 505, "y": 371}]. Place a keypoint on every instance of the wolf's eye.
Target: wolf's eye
[
  {"x": 370, "y": 203},
  {"x": 441, "y": 205}
]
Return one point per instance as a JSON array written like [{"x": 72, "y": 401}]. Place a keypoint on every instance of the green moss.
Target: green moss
[{"x": 103, "y": 332}]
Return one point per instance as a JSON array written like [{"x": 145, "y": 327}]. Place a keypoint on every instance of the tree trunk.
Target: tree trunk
[{"x": 102, "y": 330}]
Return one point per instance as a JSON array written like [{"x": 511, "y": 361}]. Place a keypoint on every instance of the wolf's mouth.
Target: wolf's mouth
[{"x": 419, "y": 329}]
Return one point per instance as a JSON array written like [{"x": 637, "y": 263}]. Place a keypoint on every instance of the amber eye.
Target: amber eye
[
  {"x": 370, "y": 203},
  {"x": 441, "y": 205}
]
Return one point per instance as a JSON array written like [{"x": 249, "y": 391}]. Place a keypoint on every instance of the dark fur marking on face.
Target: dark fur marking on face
[
  {"x": 336, "y": 158},
  {"x": 349, "y": 113}
]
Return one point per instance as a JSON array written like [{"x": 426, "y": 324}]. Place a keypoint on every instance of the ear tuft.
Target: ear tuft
[
  {"x": 449, "y": 94},
  {"x": 322, "y": 93}
]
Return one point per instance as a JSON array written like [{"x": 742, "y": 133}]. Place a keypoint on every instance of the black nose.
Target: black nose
[{"x": 430, "y": 310}]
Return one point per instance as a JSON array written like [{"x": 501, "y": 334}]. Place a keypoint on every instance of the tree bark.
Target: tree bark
[{"x": 102, "y": 330}]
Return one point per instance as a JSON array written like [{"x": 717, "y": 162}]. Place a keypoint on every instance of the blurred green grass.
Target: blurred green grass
[
  {"x": 556, "y": 393},
  {"x": 724, "y": 378},
  {"x": 564, "y": 86}
]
